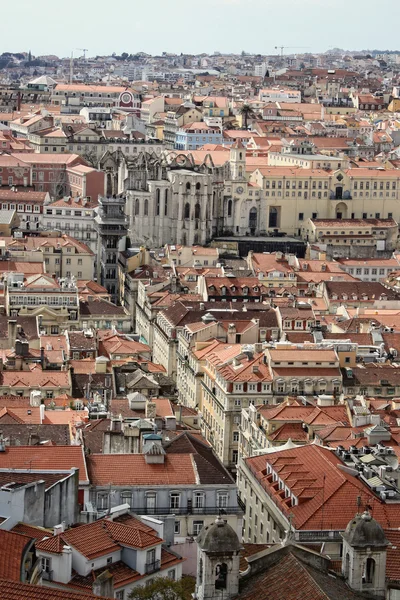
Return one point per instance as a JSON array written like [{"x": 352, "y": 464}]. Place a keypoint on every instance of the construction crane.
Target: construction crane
[
  {"x": 84, "y": 50},
  {"x": 282, "y": 48}
]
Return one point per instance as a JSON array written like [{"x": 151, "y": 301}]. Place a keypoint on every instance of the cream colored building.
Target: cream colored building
[
  {"x": 353, "y": 238},
  {"x": 304, "y": 371},
  {"x": 62, "y": 256},
  {"x": 292, "y": 195},
  {"x": 234, "y": 377}
]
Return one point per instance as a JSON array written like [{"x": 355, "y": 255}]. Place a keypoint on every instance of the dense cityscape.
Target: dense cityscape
[{"x": 200, "y": 325}]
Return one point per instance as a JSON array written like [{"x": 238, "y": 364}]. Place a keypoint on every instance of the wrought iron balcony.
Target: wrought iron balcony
[{"x": 152, "y": 566}]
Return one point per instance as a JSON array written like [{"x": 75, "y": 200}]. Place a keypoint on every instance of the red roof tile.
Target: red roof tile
[
  {"x": 45, "y": 458},
  {"x": 12, "y": 551},
  {"x": 104, "y": 536},
  {"x": 326, "y": 494},
  {"x": 12, "y": 590},
  {"x": 132, "y": 469}
]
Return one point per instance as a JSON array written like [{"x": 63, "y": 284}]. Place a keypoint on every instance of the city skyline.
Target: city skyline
[{"x": 328, "y": 24}]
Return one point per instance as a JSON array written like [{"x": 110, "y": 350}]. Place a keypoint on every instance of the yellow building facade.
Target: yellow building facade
[{"x": 291, "y": 195}]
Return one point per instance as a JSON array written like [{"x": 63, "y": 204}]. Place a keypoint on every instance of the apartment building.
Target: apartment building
[
  {"x": 353, "y": 238},
  {"x": 73, "y": 216},
  {"x": 292, "y": 422},
  {"x": 298, "y": 370},
  {"x": 369, "y": 269},
  {"x": 63, "y": 256},
  {"x": 28, "y": 206},
  {"x": 234, "y": 376},
  {"x": 303, "y": 489},
  {"x": 182, "y": 482},
  {"x": 54, "y": 303}
]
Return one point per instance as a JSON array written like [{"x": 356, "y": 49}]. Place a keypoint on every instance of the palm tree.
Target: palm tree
[{"x": 247, "y": 113}]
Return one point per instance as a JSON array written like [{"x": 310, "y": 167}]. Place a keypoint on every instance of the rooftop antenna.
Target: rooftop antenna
[
  {"x": 71, "y": 68},
  {"x": 358, "y": 504}
]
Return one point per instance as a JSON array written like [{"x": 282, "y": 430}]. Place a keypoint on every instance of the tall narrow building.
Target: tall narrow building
[{"x": 111, "y": 225}]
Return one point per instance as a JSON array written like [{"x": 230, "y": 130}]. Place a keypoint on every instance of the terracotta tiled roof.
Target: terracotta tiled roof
[
  {"x": 209, "y": 469},
  {"x": 12, "y": 590},
  {"x": 105, "y": 536},
  {"x": 393, "y": 554},
  {"x": 45, "y": 458},
  {"x": 248, "y": 550},
  {"x": 288, "y": 577},
  {"x": 372, "y": 289},
  {"x": 35, "y": 378},
  {"x": 30, "y": 434},
  {"x": 132, "y": 469},
  {"x": 19, "y": 415},
  {"x": 326, "y": 494},
  {"x": 53, "y": 544},
  {"x": 12, "y": 551},
  {"x": 122, "y": 576},
  {"x": 292, "y": 431},
  {"x": 36, "y": 533},
  {"x": 303, "y": 355}
]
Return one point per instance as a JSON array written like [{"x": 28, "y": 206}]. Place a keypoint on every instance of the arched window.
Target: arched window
[
  {"x": 369, "y": 571},
  {"x": 221, "y": 575},
  {"x": 229, "y": 208},
  {"x": 240, "y": 171},
  {"x": 198, "y": 186},
  {"x": 253, "y": 218},
  {"x": 197, "y": 211},
  {"x": 146, "y": 208},
  {"x": 240, "y": 155},
  {"x": 137, "y": 206},
  {"x": 188, "y": 187},
  {"x": 187, "y": 211},
  {"x": 166, "y": 203},
  {"x": 273, "y": 217},
  {"x": 195, "y": 239}
]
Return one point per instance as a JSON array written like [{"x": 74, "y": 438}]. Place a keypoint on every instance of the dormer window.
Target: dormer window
[{"x": 245, "y": 291}]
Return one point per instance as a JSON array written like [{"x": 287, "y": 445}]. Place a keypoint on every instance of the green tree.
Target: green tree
[
  {"x": 247, "y": 113},
  {"x": 164, "y": 588}
]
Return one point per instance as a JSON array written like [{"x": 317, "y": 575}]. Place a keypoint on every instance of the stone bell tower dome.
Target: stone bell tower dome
[
  {"x": 218, "y": 556},
  {"x": 364, "y": 555}
]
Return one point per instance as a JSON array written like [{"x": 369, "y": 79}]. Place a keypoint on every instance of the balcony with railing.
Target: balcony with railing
[
  {"x": 152, "y": 567},
  {"x": 182, "y": 510}
]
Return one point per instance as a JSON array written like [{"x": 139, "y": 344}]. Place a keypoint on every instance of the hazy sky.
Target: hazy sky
[{"x": 153, "y": 26}]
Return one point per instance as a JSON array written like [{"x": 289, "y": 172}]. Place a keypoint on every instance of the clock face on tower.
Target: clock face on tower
[{"x": 239, "y": 190}]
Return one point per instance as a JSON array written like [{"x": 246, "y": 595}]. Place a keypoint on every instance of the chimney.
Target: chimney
[
  {"x": 12, "y": 332},
  {"x": 58, "y": 529},
  {"x": 100, "y": 365},
  {"x": 103, "y": 585},
  {"x": 151, "y": 409},
  {"x": 18, "y": 347},
  {"x": 42, "y": 357},
  {"x": 64, "y": 575}
]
